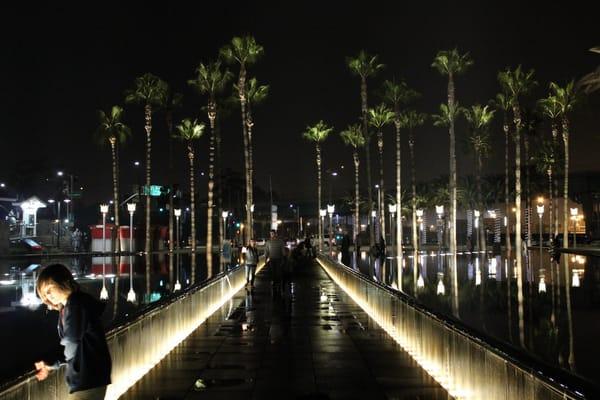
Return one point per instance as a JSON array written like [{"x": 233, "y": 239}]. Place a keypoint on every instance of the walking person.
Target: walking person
[
  {"x": 250, "y": 257},
  {"x": 88, "y": 362},
  {"x": 274, "y": 257}
]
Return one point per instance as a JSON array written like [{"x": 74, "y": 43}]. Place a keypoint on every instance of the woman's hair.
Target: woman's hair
[{"x": 58, "y": 275}]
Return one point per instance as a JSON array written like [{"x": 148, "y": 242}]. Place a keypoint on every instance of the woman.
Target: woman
[
  {"x": 80, "y": 331},
  {"x": 250, "y": 261}
]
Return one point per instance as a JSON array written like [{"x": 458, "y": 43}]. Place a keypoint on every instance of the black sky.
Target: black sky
[{"x": 61, "y": 63}]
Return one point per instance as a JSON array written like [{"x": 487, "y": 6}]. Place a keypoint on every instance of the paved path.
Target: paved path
[{"x": 265, "y": 345}]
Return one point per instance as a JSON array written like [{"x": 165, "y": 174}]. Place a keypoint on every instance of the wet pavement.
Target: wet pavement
[{"x": 308, "y": 341}]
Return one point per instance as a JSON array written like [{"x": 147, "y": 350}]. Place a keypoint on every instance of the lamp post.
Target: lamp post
[
  {"x": 574, "y": 215},
  {"x": 392, "y": 211},
  {"x": 540, "y": 211},
  {"x": 131, "y": 293},
  {"x": 439, "y": 210},
  {"x": 224, "y": 215},
  {"x": 379, "y": 212},
  {"x": 477, "y": 214},
  {"x": 330, "y": 211},
  {"x": 420, "y": 221},
  {"x": 322, "y": 213},
  {"x": 177, "y": 213},
  {"x": 103, "y": 210}
]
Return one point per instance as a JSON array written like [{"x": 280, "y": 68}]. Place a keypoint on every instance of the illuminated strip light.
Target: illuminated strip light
[
  {"x": 123, "y": 380},
  {"x": 434, "y": 369}
]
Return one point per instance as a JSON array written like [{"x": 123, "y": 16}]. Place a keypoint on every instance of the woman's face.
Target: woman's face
[{"x": 54, "y": 294}]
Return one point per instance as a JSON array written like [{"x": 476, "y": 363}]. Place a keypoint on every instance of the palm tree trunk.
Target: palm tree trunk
[
  {"x": 148, "y": 128},
  {"x": 192, "y": 212},
  {"x": 115, "y": 170},
  {"x": 527, "y": 188},
  {"x": 356, "y": 202},
  {"x": 555, "y": 185},
  {"x": 506, "y": 184},
  {"x": 398, "y": 193},
  {"x": 365, "y": 126},
  {"x": 482, "y": 235},
  {"x": 550, "y": 202},
  {"x": 381, "y": 200},
  {"x": 242, "y": 93},
  {"x": 250, "y": 124},
  {"x": 319, "y": 197},
  {"x": 211, "y": 184},
  {"x": 518, "y": 243},
  {"x": 169, "y": 118},
  {"x": 453, "y": 199},
  {"x": 219, "y": 182},
  {"x": 411, "y": 145},
  {"x": 565, "y": 135}
]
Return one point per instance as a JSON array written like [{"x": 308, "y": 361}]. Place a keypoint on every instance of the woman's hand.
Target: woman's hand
[{"x": 42, "y": 370}]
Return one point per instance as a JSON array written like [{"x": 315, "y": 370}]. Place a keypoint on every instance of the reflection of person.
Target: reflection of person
[
  {"x": 250, "y": 257},
  {"x": 80, "y": 331},
  {"x": 345, "y": 250}
]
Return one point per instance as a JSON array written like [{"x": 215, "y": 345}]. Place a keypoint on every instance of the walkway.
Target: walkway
[{"x": 296, "y": 346}]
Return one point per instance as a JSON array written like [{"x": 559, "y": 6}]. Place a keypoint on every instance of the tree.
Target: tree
[
  {"x": 395, "y": 95},
  {"x": 365, "y": 66},
  {"x": 210, "y": 80},
  {"x": 317, "y": 134},
  {"x": 353, "y": 137},
  {"x": 452, "y": 63},
  {"x": 479, "y": 118},
  {"x": 515, "y": 84},
  {"x": 245, "y": 52},
  {"x": 591, "y": 82},
  {"x": 113, "y": 131},
  {"x": 545, "y": 162},
  {"x": 173, "y": 101},
  {"x": 378, "y": 118},
  {"x": 188, "y": 132},
  {"x": 151, "y": 91},
  {"x": 567, "y": 99},
  {"x": 502, "y": 102}
]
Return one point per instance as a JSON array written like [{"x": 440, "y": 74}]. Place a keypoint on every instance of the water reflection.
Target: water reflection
[{"x": 548, "y": 308}]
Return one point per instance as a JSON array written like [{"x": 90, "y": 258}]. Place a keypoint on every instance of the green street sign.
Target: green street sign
[{"x": 155, "y": 190}]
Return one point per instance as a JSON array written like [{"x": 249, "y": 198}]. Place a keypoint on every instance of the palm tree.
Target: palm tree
[
  {"x": 479, "y": 118},
  {"x": 244, "y": 51},
  {"x": 365, "y": 66},
  {"x": 452, "y": 63},
  {"x": 591, "y": 82},
  {"x": 516, "y": 83},
  {"x": 352, "y": 136},
  {"x": 173, "y": 101},
  {"x": 567, "y": 98},
  {"x": 378, "y": 118},
  {"x": 150, "y": 91},
  {"x": 396, "y": 94},
  {"x": 502, "y": 102},
  {"x": 548, "y": 156},
  {"x": 317, "y": 134},
  {"x": 189, "y": 131},
  {"x": 113, "y": 131},
  {"x": 410, "y": 120},
  {"x": 210, "y": 80},
  {"x": 255, "y": 94}
]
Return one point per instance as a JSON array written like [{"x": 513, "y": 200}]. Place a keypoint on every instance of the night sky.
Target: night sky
[{"x": 60, "y": 64}]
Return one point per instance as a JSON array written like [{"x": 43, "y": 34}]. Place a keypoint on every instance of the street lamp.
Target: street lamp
[
  {"x": 392, "y": 211},
  {"x": 104, "y": 210},
  {"x": 224, "y": 215},
  {"x": 322, "y": 213},
  {"x": 330, "y": 211},
  {"x": 439, "y": 210},
  {"x": 379, "y": 210},
  {"x": 177, "y": 213},
  {"x": 540, "y": 211},
  {"x": 574, "y": 215},
  {"x": 477, "y": 214}
]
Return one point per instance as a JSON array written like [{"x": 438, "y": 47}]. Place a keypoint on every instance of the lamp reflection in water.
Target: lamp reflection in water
[
  {"x": 441, "y": 289},
  {"x": 131, "y": 294},
  {"x": 177, "y": 212}
]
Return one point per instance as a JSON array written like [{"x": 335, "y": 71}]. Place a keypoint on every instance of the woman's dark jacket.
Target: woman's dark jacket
[{"x": 86, "y": 352}]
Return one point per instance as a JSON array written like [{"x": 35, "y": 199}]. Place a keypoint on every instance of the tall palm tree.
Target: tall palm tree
[
  {"x": 379, "y": 117},
  {"x": 317, "y": 134},
  {"x": 502, "y": 102},
  {"x": 113, "y": 131},
  {"x": 479, "y": 118},
  {"x": 255, "y": 94},
  {"x": 151, "y": 91},
  {"x": 173, "y": 101},
  {"x": 189, "y": 131},
  {"x": 366, "y": 66},
  {"x": 410, "y": 120},
  {"x": 452, "y": 63},
  {"x": 548, "y": 156},
  {"x": 245, "y": 52},
  {"x": 567, "y": 98},
  {"x": 395, "y": 95},
  {"x": 515, "y": 84},
  {"x": 210, "y": 80},
  {"x": 353, "y": 137}
]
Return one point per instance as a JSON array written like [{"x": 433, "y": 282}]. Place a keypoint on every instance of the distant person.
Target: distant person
[
  {"x": 81, "y": 333},
  {"x": 250, "y": 259},
  {"x": 345, "y": 249},
  {"x": 274, "y": 252}
]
